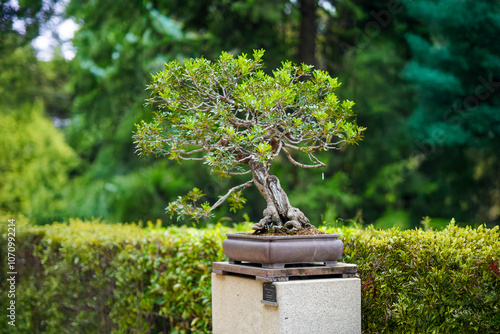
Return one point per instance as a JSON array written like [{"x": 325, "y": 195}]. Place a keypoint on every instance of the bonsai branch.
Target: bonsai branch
[
  {"x": 240, "y": 173},
  {"x": 223, "y": 198},
  {"x": 298, "y": 164},
  {"x": 181, "y": 153}
]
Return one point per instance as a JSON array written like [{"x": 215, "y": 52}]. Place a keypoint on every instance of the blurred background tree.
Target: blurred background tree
[
  {"x": 455, "y": 69},
  {"x": 424, "y": 76},
  {"x": 36, "y": 162}
]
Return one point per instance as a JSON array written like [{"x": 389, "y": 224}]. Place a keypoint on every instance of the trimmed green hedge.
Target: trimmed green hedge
[
  {"x": 417, "y": 281},
  {"x": 92, "y": 277}
]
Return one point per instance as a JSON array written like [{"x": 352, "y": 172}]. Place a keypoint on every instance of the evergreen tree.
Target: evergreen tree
[{"x": 456, "y": 124}]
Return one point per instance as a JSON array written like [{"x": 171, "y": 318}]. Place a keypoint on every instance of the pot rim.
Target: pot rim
[{"x": 249, "y": 235}]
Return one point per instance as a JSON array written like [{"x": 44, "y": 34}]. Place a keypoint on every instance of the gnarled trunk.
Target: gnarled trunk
[{"x": 279, "y": 214}]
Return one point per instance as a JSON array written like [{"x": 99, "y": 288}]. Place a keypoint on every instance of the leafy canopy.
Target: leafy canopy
[
  {"x": 234, "y": 112},
  {"x": 229, "y": 112}
]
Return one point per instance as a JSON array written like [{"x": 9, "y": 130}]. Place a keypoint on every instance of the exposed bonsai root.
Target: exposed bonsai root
[{"x": 294, "y": 221}]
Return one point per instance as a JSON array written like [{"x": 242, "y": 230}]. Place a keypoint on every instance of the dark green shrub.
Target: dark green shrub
[{"x": 92, "y": 277}]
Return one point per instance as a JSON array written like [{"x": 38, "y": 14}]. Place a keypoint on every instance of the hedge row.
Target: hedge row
[
  {"x": 92, "y": 277},
  {"x": 417, "y": 281}
]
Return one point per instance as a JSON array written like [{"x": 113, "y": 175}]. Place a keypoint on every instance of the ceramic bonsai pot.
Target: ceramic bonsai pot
[{"x": 276, "y": 251}]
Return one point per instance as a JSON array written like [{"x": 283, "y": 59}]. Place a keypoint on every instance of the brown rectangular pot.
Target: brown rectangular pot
[{"x": 276, "y": 251}]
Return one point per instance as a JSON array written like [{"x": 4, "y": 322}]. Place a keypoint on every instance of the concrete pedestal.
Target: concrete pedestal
[{"x": 329, "y": 305}]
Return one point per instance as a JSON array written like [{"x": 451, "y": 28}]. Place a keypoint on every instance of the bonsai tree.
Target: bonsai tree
[{"x": 237, "y": 119}]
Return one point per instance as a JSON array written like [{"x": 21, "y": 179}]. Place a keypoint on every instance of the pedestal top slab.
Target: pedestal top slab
[{"x": 290, "y": 272}]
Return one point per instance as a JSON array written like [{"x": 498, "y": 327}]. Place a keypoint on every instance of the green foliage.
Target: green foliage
[
  {"x": 35, "y": 159},
  {"x": 233, "y": 108},
  {"x": 19, "y": 73},
  {"x": 229, "y": 113},
  {"x": 34, "y": 164},
  {"x": 428, "y": 281},
  {"x": 236, "y": 201},
  {"x": 186, "y": 206},
  {"x": 94, "y": 277}
]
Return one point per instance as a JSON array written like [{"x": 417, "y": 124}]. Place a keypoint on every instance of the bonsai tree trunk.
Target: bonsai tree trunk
[{"x": 279, "y": 216}]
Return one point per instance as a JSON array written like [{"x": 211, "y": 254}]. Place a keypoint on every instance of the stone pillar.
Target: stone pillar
[{"x": 327, "y": 305}]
